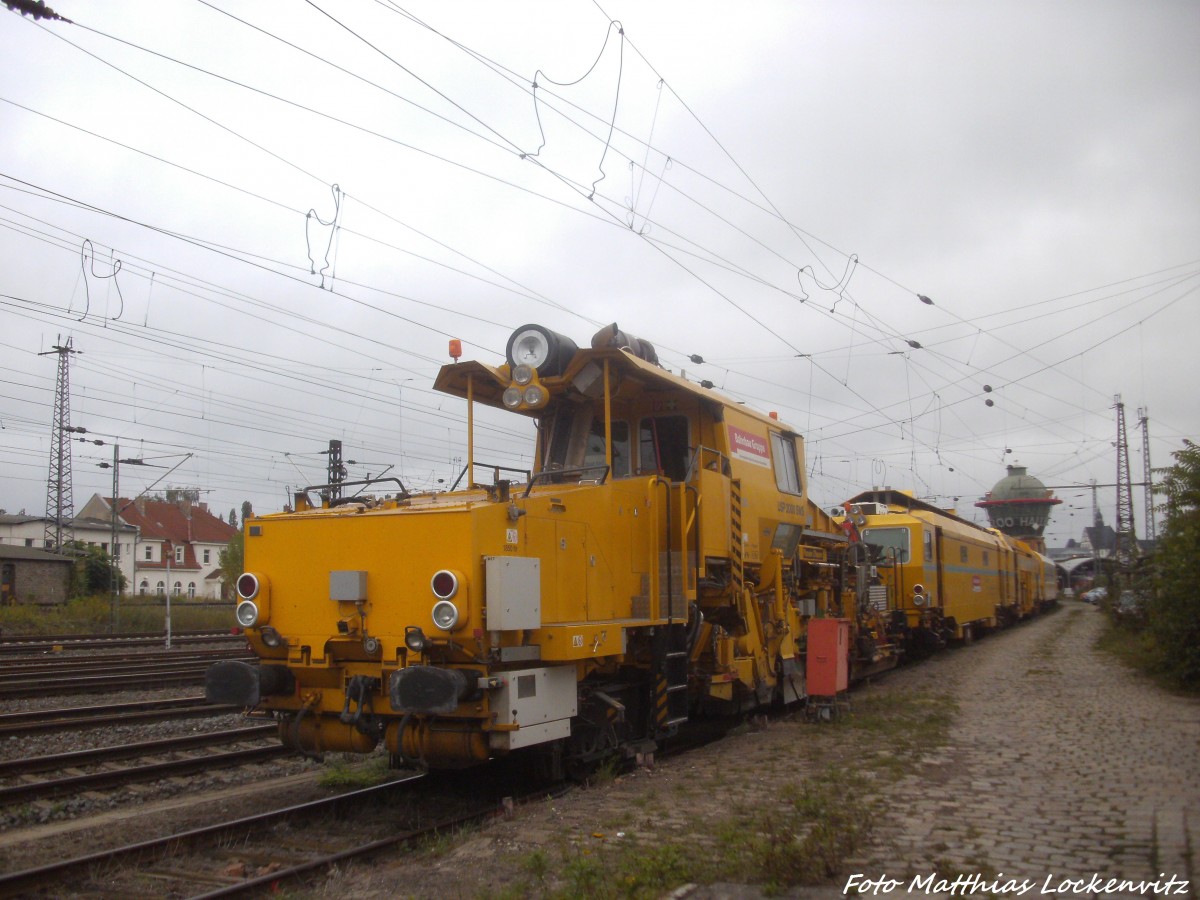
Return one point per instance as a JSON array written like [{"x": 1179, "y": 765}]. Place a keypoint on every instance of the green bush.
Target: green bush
[{"x": 1173, "y": 607}]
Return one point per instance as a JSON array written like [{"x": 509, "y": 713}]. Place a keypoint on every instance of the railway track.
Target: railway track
[
  {"x": 255, "y": 852},
  {"x": 92, "y": 684},
  {"x": 134, "y": 675},
  {"x": 54, "y": 643},
  {"x": 41, "y": 721},
  {"x": 105, "y": 661},
  {"x": 75, "y": 782}
]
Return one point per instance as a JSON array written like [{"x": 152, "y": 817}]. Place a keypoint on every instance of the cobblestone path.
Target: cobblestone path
[{"x": 1061, "y": 763}]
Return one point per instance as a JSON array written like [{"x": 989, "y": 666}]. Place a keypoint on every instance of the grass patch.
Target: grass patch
[
  {"x": 341, "y": 774},
  {"x": 89, "y": 615},
  {"x": 606, "y": 772},
  {"x": 902, "y": 727},
  {"x": 624, "y": 873},
  {"x": 1135, "y": 650},
  {"x": 808, "y": 837}
]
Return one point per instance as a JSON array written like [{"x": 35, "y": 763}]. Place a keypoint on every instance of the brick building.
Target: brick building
[
  {"x": 33, "y": 576},
  {"x": 22, "y": 530}
]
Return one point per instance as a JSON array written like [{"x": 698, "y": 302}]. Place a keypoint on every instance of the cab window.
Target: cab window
[
  {"x": 887, "y": 544},
  {"x": 663, "y": 446},
  {"x": 573, "y": 438},
  {"x": 787, "y": 472},
  {"x": 621, "y": 456}
]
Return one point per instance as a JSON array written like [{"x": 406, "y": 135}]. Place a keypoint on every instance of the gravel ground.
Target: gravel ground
[
  {"x": 1027, "y": 753},
  {"x": 1052, "y": 760},
  {"x": 93, "y": 803}
]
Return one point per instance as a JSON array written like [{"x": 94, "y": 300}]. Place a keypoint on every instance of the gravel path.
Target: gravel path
[
  {"x": 1062, "y": 763},
  {"x": 1059, "y": 764}
]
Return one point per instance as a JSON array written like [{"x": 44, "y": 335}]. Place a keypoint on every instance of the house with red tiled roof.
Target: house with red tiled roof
[{"x": 178, "y": 545}]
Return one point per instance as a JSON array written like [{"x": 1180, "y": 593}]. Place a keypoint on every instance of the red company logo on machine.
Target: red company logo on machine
[
  {"x": 976, "y": 583},
  {"x": 748, "y": 447}
]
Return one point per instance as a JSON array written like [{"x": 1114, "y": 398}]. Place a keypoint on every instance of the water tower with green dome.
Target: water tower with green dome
[{"x": 1019, "y": 506}]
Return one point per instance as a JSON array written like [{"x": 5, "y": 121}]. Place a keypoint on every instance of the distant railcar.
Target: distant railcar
[{"x": 942, "y": 577}]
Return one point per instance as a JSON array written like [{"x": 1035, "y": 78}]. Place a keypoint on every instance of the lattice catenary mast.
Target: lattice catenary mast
[
  {"x": 1126, "y": 546},
  {"x": 1147, "y": 473},
  {"x": 60, "y": 505}
]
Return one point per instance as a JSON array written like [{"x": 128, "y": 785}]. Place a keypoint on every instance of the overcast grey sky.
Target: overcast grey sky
[{"x": 770, "y": 186}]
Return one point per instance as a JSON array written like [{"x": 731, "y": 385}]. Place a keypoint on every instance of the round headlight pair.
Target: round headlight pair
[
  {"x": 254, "y": 594},
  {"x": 534, "y": 396}
]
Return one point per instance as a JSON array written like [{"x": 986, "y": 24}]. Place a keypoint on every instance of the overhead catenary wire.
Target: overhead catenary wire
[{"x": 940, "y": 379}]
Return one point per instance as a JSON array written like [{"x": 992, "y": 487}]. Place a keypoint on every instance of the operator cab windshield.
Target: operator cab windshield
[
  {"x": 573, "y": 441},
  {"x": 573, "y": 438},
  {"x": 887, "y": 544}
]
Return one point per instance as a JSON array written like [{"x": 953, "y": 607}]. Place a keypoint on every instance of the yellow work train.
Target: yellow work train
[
  {"x": 941, "y": 577},
  {"x": 659, "y": 562}
]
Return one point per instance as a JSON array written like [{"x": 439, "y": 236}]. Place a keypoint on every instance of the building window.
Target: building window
[
  {"x": 149, "y": 552},
  {"x": 191, "y": 590},
  {"x": 28, "y": 542},
  {"x": 207, "y": 558},
  {"x": 178, "y": 588},
  {"x": 144, "y": 586},
  {"x": 161, "y": 589},
  {"x": 178, "y": 556}
]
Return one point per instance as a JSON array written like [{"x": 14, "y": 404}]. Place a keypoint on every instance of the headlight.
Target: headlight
[
  {"x": 271, "y": 637},
  {"x": 512, "y": 397},
  {"x": 529, "y": 346},
  {"x": 414, "y": 638},
  {"x": 522, "y": 374},
  {"x": 535, "y": 396},
  {"x": 247, "y": 613},
  {"x": 445, "y": 615},
  {"x": 540, "y": 348}
]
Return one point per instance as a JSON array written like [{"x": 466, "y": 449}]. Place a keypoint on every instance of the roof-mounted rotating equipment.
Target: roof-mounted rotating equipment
[
  {"x": 540, "y": 349},
  {"x": 612, "y": 336}
]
